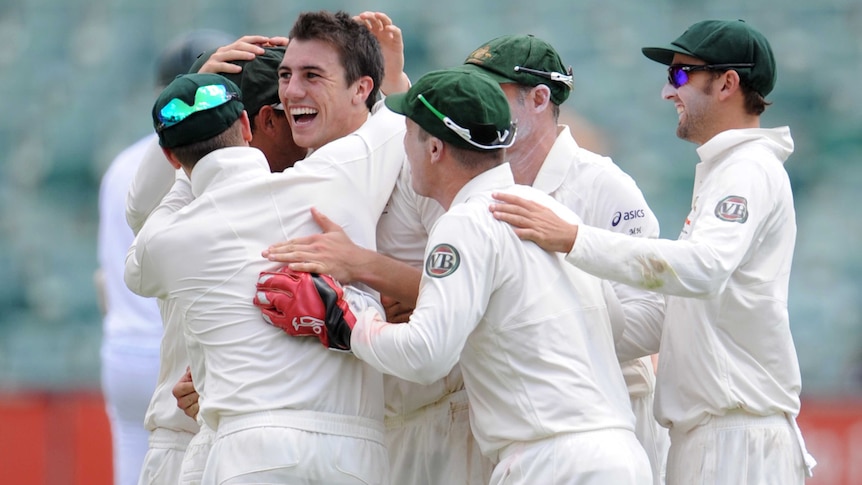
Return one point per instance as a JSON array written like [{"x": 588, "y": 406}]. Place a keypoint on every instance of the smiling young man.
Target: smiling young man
[{"x": 728, "y": 380}]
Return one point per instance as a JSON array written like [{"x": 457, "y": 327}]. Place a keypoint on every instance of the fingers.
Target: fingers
[
  {"x": 243, "y": 49},
  {"x": 278, "y": 41},
  {"x": 282, "y": 251},
  {"x": 324, "y": 222},
  {"x": 309, "y": 267},
  {"x": 375, "y": 21},
  {"x": 193, "y": 410}
]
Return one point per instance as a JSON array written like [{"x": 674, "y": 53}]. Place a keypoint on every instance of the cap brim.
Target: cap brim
[
  {"x": 397, "y": 103},
  {"x": 497, "y": 78},
  {"x": 664, "y": 55}
]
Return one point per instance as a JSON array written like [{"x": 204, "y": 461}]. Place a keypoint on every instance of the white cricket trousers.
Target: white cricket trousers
[
  {"x": 298, "y": 448},
  {"x": 602, "y": 457},
  {"x": 195, "y": 458},
  {"x": 165, "y": 457},
  {"x": 435, "y": 446},
  {"x": 640, "y": 381},
  {"x": 737, "y": 449}
]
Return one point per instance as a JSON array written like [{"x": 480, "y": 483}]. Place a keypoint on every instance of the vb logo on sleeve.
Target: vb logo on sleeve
[
  {"x": 732, "y": 208},
  {"x": 443, "y": 261}
]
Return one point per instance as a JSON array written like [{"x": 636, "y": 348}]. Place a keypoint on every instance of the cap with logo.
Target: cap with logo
[
  {"x": 523, "y": 59},
  {"x": 725, "y": 42},
  {"x": 258, "y": 80},
  {"x": 195, "y": 107},
  {"x": 464, "y": 108}
]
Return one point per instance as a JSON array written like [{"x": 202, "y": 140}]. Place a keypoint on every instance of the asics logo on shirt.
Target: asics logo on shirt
[{"x": 627, "y": 216}]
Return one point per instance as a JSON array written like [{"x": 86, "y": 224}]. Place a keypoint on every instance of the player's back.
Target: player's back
[{"x": 210, "y": 254}]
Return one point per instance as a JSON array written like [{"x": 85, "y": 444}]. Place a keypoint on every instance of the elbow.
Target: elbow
[{"x": 429, "y": 375}]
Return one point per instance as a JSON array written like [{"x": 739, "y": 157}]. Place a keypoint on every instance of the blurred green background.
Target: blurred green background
[{"x": 76, "y": 85}]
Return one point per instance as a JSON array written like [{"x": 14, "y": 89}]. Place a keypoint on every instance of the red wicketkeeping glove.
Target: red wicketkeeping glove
[{"x": 306, "y": 305}]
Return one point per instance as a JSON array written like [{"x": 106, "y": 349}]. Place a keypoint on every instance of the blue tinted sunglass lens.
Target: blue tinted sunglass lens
[{"x": 676, "y": 76}]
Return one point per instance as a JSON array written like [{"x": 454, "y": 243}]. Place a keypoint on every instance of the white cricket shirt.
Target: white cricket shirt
[
  {"x": 532, "y": 335},
  {"x": 726, "y": 341}
]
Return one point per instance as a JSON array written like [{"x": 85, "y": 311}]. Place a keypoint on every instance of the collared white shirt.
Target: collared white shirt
[
  {"x": 203, "y": 260},
  {"x": 726, "y": 341},
  {"x": 532, "y": 333}
]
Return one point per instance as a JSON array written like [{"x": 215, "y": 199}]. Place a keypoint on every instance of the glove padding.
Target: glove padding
[{"x": 306, "y": 305}]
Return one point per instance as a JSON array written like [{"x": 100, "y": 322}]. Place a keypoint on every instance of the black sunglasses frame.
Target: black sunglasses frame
[{"x": 674, "y": 70}]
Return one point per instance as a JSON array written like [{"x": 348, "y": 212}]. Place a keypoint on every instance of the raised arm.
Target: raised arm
[{"x": 395, "y": 80}]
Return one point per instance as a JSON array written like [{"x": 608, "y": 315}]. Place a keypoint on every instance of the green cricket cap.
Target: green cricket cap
[
  {"x": 470, "y": 100},
  {"x": 258, "y": 80},
  {"x": 526, "y": 60},
  {"x": 195, "y": 107},
  {"x": 725, "y": 42}
]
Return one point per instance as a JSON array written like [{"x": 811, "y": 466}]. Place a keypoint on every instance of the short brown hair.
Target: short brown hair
[{"x": 357, "y": 47}]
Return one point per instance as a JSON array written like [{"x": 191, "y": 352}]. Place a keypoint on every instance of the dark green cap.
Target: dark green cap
[
  {"x": 469, "y": 99},
  {"x": 258, "y": 80},
  {"x": 725, "y": 42},
  {"x": 502, "y": 59},
  {"x": 195, "y": 107}
]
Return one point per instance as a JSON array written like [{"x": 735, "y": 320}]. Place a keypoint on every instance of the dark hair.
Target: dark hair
[
  {"x": 357, "y": 47},
  {"x": 190, "y": 154},
  {"x": 754, "y": 103}
]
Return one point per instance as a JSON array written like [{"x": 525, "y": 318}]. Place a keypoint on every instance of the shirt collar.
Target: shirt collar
[
  {"x": 556, "y": 165},
  {"x": 496, "y": 178},
  {"x": 227, "y": 163}
]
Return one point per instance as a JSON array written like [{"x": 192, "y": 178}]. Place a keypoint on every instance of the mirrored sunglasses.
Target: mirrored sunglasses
[{"x": 206, "y": 97}]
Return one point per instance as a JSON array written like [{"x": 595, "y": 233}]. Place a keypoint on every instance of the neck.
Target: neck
[{"x": 529, "y": 153}]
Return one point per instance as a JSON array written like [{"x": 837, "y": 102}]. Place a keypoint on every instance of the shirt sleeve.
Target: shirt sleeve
[
  {"x": 151, "y": 183},
  {"x": 136, "y": 276},
  {"x": 725, "y": 220},
  {"x": 453, "y": 297}
]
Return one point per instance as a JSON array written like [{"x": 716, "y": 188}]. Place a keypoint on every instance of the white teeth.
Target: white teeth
[
  {"x": 302, "y": 111},
  {"x": 679, "y": 110}
]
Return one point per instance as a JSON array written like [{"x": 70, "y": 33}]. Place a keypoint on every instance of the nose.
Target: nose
[
  {"x": 668, "y": 91},
  {"x": 289, "y": 89}
]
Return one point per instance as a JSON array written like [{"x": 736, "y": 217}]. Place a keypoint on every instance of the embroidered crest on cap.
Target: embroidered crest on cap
[
  {"x": 442, "y": 261},
  {"x": 480, "y": 55},
  {"x": 732, "y": 208}
]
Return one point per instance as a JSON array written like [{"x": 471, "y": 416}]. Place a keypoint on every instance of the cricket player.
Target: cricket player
[
  {"x": 547, "y": 157},
  {"x": 548, "y": 401},
  {"x": 275, "y": 420},
  {"x": 176, "y": 439},
  {"x": 728, "y": 378}
]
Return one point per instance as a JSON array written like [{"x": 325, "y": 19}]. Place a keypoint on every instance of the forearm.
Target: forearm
[{"x": 388, "y": 276}]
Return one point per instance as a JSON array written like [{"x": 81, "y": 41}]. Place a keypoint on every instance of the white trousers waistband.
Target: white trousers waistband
[{"x": 314, "y": 421}]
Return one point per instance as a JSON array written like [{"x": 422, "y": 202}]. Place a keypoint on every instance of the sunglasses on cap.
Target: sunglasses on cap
[
  {"x": 206, "y": 97},
  {"x": 567, "y": 79},
  {"x": 677, "y": 74},
  {"x": 504, "y": 139}
]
